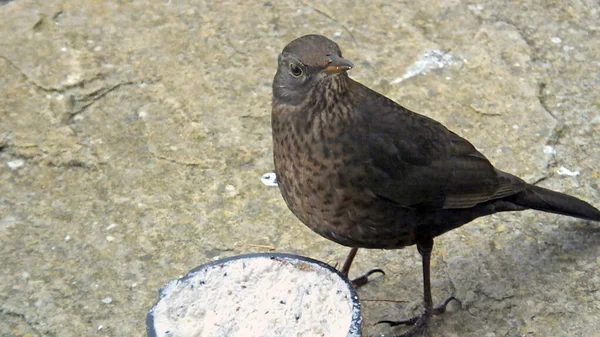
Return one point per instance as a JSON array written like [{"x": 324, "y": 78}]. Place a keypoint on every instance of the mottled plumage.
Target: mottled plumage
[{"x": 363, "y": 171}]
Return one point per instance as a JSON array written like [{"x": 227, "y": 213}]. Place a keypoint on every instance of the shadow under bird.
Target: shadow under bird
[{"x": 365, "y": 172}]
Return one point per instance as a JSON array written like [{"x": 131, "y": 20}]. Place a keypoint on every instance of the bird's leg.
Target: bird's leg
[
  {"x": 363, "y": 279},
  {"x": 349, "y": 259},
  {"x": 419, "y": 322}
]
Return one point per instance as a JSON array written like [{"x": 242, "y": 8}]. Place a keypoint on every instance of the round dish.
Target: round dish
[{"x": 257, "y": 295}]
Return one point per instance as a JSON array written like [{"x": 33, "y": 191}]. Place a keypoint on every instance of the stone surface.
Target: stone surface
[{"x": 133, "y": 136}]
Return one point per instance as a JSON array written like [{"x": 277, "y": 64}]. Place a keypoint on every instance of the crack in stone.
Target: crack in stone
[
  {"x": 522, "y": 34},
  {"x": 175, "y": 161},
  {"x": 23, "y": 317},
  {"x": 58, "y": 90},
  {"x": 102, "y": 92},
  {"x": 509, "y": 332},
  {"x": 539, "y": 180},
  {"x": 75, "y": 163},
  {"x": 87, "y": 100},
  {"x": 553, "y": 140},
  {"x": 330, "y": 17},
  {"x": 559, "y": 129},
  {"x": 18, "y": 69},
  {"x": 496, "y": 299},
  {"x": 94, "y": 96},
  {"x": 542, "y": 98},
  {"x": 557, "y": 133},
  {"x": 535, "y": 58},
  {"x": 45, "y": 157}
]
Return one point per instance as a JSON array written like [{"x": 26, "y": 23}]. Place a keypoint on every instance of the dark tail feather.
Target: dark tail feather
[{"x": 542, "y": 199}]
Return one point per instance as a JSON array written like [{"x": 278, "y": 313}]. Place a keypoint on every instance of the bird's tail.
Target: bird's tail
[{"x": 542, "y": 199}]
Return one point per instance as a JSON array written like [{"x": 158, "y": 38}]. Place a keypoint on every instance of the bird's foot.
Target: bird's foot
[
  {"x": 361, "y": 280},
  {"x": 419, "y": 322},
  {"x": 364, "y": 278}
]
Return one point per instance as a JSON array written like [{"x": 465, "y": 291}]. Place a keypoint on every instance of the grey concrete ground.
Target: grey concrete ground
[{"x": 133, "y": 135}]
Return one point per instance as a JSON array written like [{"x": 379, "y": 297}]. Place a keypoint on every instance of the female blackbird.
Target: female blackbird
[{"x": 363, "y": 171}]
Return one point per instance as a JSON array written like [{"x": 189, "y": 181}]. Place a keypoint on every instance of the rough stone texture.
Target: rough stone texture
[{"x": 133, "y": 135}]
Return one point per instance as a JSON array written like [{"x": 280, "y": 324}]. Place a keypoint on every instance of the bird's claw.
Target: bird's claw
[
  {"x": 410, "y": 321},
  {"x": 440, "y": 309},
  {"x": 420, "y": 321},
  {"x": 364, "y": 279}
]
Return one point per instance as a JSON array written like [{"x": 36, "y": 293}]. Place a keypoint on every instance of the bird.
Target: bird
[{"x": 365, "y": 172}]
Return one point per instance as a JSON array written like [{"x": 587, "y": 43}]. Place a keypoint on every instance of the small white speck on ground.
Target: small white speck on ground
[
  {"x": 107, "y": 300},
  {"x": 549, "y": 149},
  {"x": 15, "y": 164},
  {"x": 476, "y": 7},
  {"x": 269, "y": 179},
  {"x": 563, "y": 171}
]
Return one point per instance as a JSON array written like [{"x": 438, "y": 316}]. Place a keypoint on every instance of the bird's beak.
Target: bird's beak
[{"x": 337, "y": 64}]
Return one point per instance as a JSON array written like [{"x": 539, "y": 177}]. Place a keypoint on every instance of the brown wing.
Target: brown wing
[{"x": 415, "y": 161}]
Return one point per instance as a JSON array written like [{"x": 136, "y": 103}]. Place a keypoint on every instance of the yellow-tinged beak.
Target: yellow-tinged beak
[{"x": 337, "y": 64}]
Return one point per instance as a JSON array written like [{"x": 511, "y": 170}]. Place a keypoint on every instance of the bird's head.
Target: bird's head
[{"x": 304, "y": 63}]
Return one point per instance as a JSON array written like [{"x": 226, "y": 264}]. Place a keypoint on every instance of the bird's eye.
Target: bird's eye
[{"x": 295, "y": 70}]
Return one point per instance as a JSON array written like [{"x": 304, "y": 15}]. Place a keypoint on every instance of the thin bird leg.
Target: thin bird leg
[
  {"x": 419, "y": 322},
  {"x": 363, "y": 279},
  {"x": 349, "y": 259}
]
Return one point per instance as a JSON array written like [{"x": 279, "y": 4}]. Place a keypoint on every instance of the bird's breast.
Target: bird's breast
[
  {"x": 313, "y": 178},
  {"x": 321, "y": 177}
]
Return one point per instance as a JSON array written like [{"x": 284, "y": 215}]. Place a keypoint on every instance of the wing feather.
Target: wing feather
[{"x": 415, "y": 161}]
